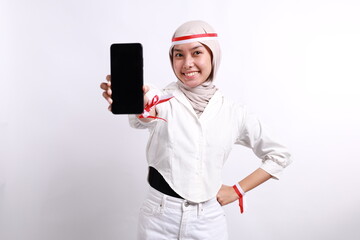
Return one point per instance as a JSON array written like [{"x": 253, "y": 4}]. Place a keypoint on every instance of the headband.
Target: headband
[{"x": 194, "y": 38}]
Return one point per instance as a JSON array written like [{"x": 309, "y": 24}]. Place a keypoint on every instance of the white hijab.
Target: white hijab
[{"x": 199, "y": 96}]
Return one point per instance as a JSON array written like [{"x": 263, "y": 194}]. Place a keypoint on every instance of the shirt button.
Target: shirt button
[{"x": 186, "y": 204}]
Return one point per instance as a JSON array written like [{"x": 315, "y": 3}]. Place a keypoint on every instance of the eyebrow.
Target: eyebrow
[{"x": 193, "y": 48}]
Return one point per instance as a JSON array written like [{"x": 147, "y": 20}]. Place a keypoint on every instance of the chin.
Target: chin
[{"x": 192, "y": 84}]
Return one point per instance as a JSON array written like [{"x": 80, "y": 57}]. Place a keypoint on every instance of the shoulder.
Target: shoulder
[
  {"x": 231, "y": 103},
  {"x": 171, "y": 87},
  {"x": 155, "y": 90}
]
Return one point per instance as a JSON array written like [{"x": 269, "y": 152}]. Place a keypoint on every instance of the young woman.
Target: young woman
[{"x": 186, "y": 153}]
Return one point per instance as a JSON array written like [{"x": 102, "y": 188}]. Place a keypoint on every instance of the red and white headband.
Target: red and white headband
[{"x": 194, "y": 38}]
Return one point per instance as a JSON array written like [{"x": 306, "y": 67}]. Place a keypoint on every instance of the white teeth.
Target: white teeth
[{"x": 190, "y": 74}]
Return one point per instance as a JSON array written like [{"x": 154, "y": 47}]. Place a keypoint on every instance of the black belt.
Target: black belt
[{"x": 157, "y": 181}]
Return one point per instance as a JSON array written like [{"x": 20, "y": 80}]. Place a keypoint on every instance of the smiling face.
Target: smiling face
[{"x": 192, "y": 63}]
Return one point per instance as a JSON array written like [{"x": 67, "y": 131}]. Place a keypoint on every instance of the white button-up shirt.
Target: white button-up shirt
[{"x": 190, "y": 151}]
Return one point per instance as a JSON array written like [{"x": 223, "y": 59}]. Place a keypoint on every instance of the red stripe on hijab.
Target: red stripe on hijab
[{"x": 194, "y": 36}]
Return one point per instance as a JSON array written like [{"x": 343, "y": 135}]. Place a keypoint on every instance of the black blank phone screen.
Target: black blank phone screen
[{"x": 126, "y": 63}]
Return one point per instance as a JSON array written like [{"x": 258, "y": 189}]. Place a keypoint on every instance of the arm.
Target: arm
[
  {"x": 275, "y": 158},
  {"x": 228, "y": 195}
]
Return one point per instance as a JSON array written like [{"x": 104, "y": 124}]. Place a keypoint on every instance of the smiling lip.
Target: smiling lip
[{"x": 191, "y": 74}]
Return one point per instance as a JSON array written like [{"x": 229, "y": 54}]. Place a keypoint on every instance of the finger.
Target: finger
[
  {"x": 146, "y": 88},
  {"x": 107, "y": 97},
  {"x": 104, "y": 86},
  {"x": 108, "y": 79},
  {"x": 220, "y": 202},
  {"x": 146, "y": 100},
  {"x": 109, "y": 92}
]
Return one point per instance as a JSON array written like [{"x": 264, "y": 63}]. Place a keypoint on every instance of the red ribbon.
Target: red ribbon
[
  {"x": 241, "y": 202},
  {"x": 194, "y": 36},
  {"x": 155, "y": 101}
]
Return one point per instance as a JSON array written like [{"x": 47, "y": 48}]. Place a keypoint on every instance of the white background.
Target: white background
[{"x": 71, "y": 170}]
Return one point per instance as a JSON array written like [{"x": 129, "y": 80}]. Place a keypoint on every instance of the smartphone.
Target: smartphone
[{"x": 126, "y": 63}]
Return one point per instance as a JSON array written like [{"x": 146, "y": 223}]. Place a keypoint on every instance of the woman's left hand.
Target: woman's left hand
[{"x": 226, "y": 195}]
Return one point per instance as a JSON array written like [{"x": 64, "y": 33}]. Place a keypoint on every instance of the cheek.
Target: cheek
[
  {"x": 176, "y": 71},
  {"x": 206, "y": 65},
  {"x": 177, "y": 66}
]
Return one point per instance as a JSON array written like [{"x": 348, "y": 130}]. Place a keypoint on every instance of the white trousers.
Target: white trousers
[{"x": 163, "y": 217}]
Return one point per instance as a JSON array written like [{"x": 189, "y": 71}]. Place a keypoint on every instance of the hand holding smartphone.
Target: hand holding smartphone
[{"x": 126, "y": 63}]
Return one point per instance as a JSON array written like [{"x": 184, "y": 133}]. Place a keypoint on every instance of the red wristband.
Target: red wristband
[{"x": 241, "y": 202}]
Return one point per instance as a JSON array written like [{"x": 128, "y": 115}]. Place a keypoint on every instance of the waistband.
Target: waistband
[{"x": 177, "y": 203}]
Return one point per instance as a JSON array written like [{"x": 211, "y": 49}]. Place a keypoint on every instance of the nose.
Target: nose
[{"x": 189, "y": 62}]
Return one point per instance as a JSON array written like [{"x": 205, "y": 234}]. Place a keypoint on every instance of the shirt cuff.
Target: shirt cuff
[
  {"x": 271, "y": 167},
  {"x": 135, "y": 122}
]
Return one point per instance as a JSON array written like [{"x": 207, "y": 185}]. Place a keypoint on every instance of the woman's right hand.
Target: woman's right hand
[
  {"x": 106, "y": 86},
  {"x": 146, "y": 100}
]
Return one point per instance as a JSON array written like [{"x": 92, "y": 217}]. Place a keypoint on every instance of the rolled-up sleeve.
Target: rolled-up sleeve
[
  {"x": 275, "y": 157},
  {"x": 135, "y": 122}
]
